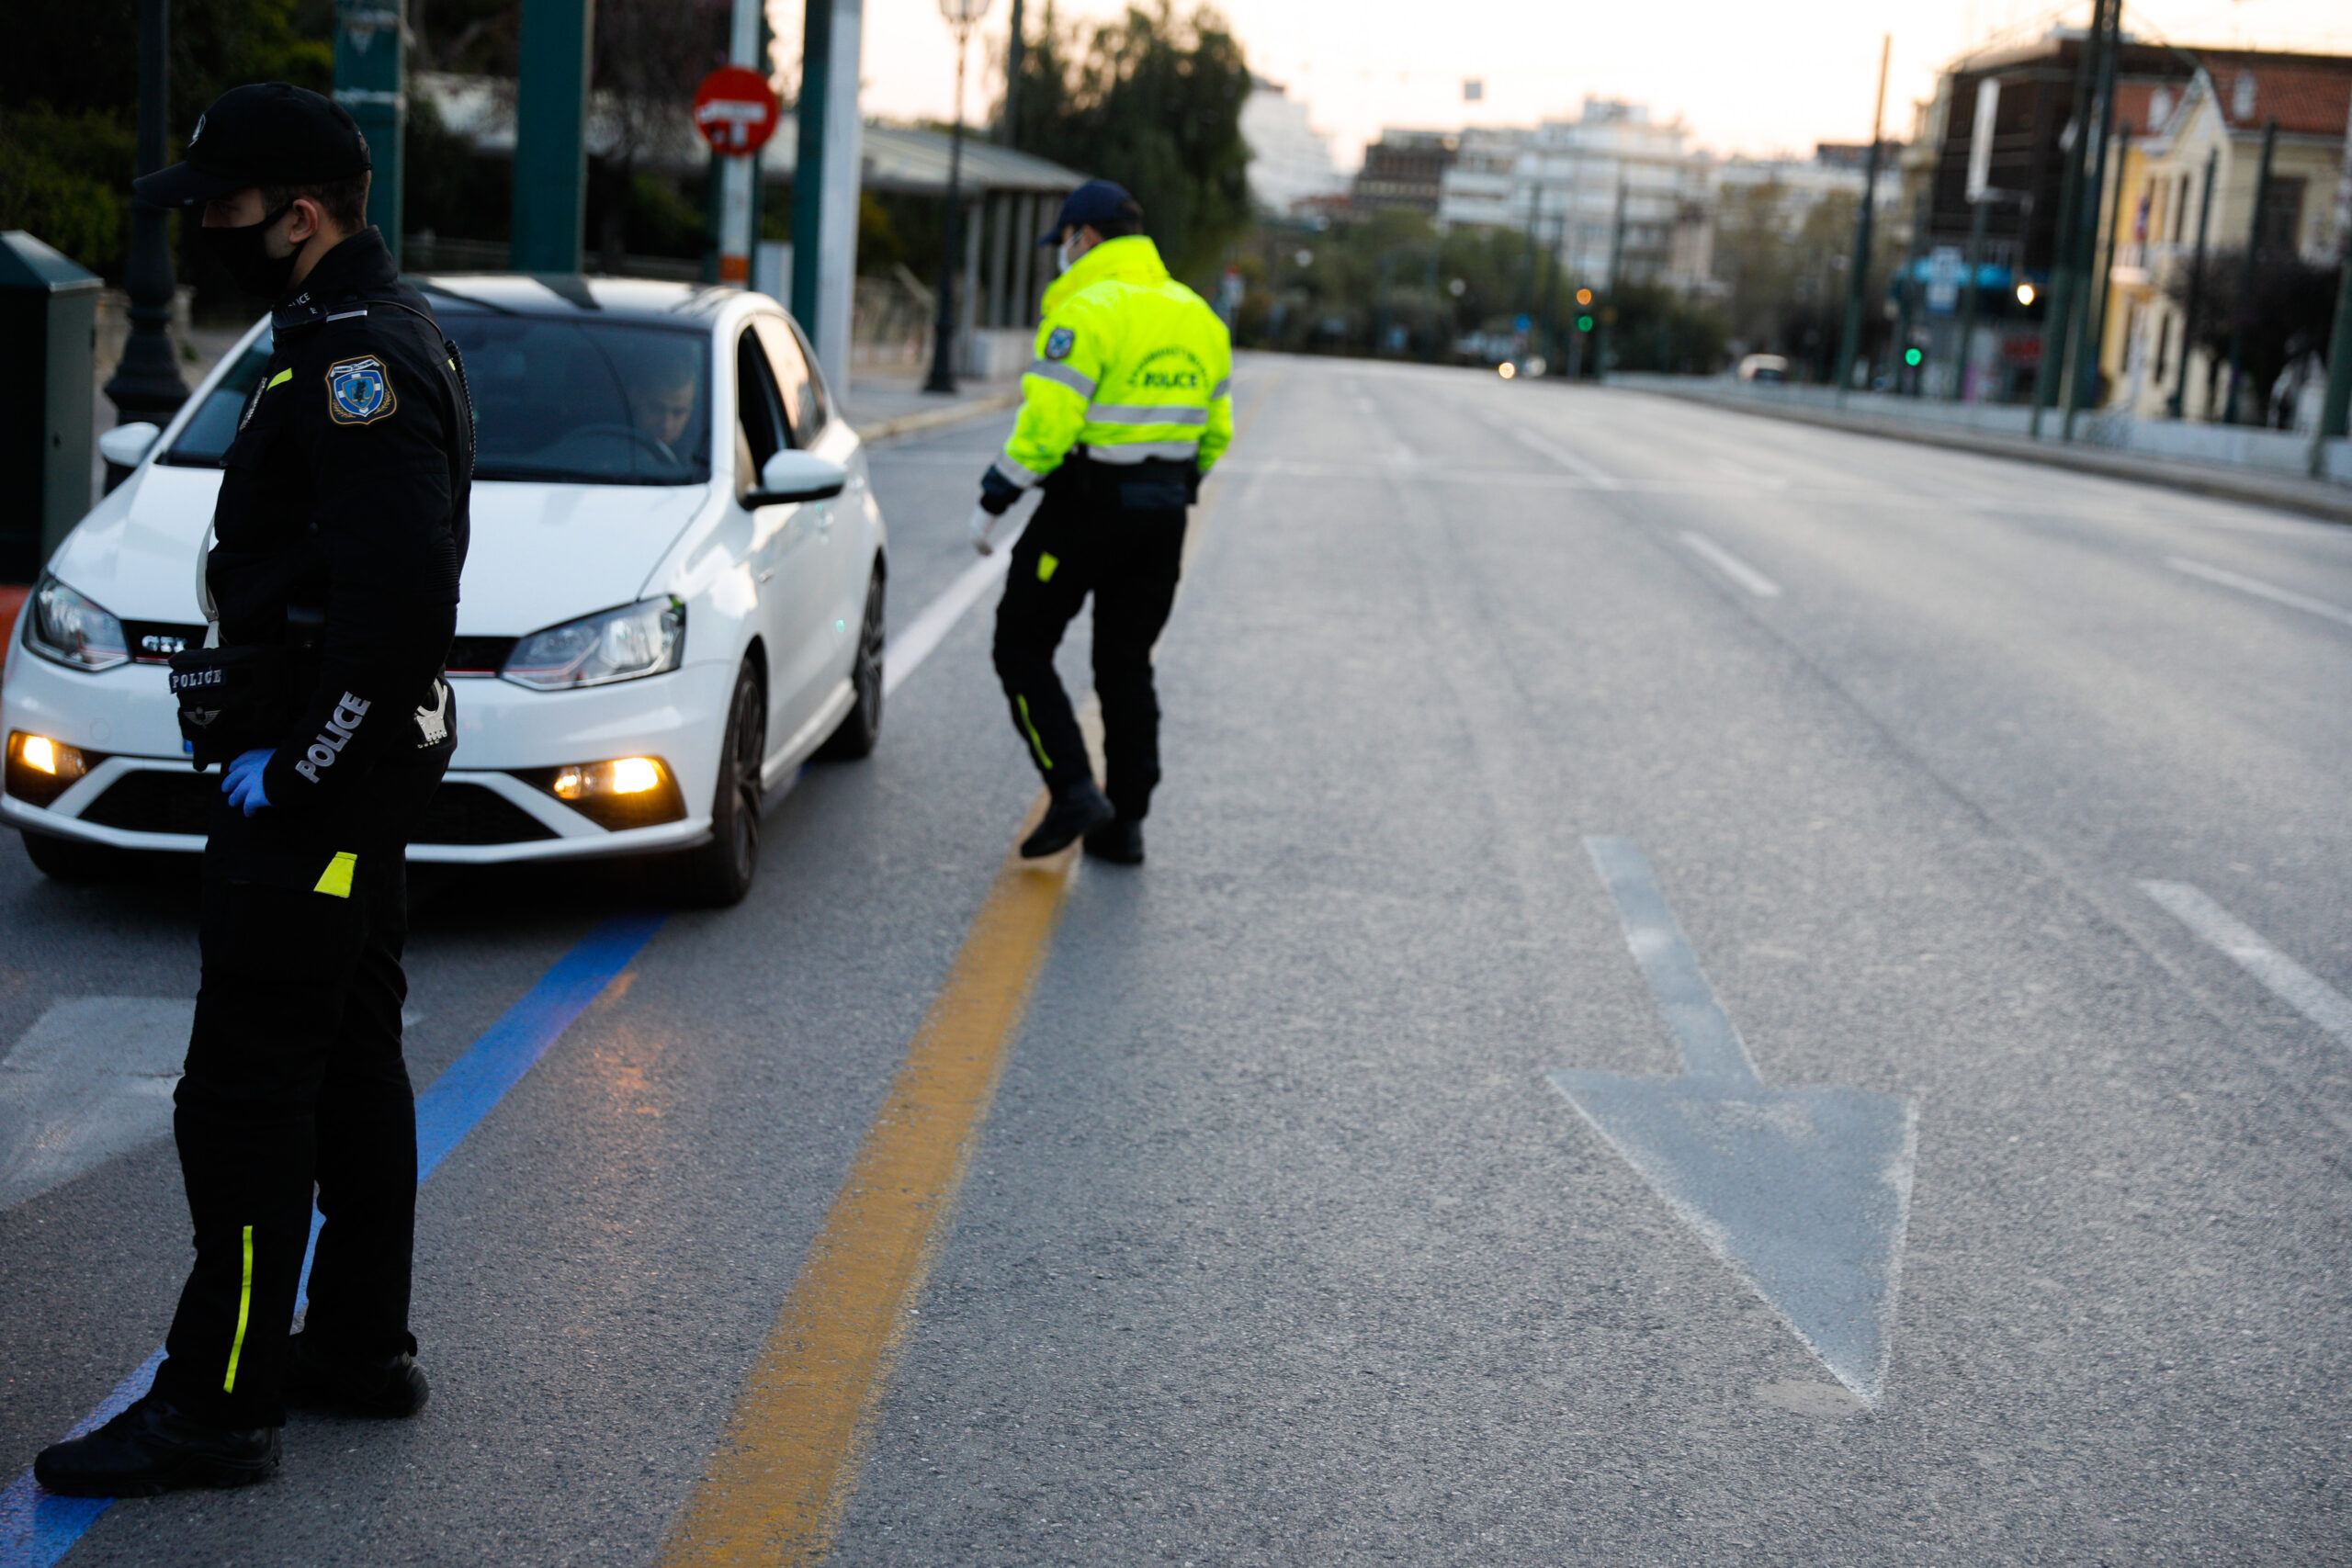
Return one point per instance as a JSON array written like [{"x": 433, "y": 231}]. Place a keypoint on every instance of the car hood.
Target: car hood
[{"x": 539, "y": 554}]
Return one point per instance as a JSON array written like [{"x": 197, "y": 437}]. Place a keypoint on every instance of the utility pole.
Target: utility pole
[
  {"x": 2245, "y": 274},
  {"x": 146, "y": 385},
  {"x": 2084, "y": 264},
  {"x": 2061, "y": 292},
  {"x": 2189, "y": 317},
  {"x": 1850, "y": 341},
  {"x": 962, "y": 15},
  {"x": 370, "y": 83},
  {"x": 1604, "y": 356},
  {"x": 738, "y": 173},
  {"x": 2103, "y": 286},
  {"x": 1014, "y": 47}
]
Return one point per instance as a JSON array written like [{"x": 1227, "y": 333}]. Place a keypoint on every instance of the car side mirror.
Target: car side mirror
[
  {"x": 124, "y": 444},
  {"x": 793, "y": 475}
]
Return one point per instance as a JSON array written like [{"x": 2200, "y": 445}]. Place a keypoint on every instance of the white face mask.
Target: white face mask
[{"x": 1064, "y": 257}]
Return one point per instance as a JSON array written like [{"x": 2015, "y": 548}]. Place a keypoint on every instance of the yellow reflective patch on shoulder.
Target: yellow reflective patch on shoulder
[
  {"x": 1047, "y": 564},
  {"x": 335, "y": 880},
  {"x": 280, "y": 379}
]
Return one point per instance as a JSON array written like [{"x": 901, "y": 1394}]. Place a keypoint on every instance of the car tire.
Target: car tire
[
  {"x": 71, "y": 860},
  {"x": 720, "y": 873},
  {"x": 860, "y": 727}
]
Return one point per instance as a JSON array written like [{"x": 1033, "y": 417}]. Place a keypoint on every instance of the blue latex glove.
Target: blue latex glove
[{"x": 241, "y": 782}]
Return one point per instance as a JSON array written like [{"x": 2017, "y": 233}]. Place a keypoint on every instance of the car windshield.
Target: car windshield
[{"x": 568, "y": 402}]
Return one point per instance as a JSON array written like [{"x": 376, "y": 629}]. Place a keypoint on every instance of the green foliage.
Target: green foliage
[
  {"x": 61, "y": 178},
  {"x": 1153, "y": 102},
  {"x": 2286, "y": 310}
]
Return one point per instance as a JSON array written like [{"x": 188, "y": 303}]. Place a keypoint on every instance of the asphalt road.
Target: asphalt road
[{"x": 1282, "y": 1243}]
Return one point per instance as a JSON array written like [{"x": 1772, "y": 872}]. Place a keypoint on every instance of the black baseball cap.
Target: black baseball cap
[
  {"x": 264, "y": 134},
  {"x": 1093, "y": 204}
]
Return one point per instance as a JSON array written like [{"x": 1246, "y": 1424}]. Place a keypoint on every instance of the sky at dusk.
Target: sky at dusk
[{"x": 1746, "y": 77}]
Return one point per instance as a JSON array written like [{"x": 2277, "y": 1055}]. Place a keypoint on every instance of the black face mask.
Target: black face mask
[{"x": 247, "y": 258}]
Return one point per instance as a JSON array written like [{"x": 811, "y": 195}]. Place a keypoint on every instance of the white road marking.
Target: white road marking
[
  {"x": 91, "y": 1079},
  {"x": 2289, "y": 981},
  {"x": 910, "y": 647},
  {"x": 2260, "y": 588},
  {"x": 1599, "y": 478},
  {"x": 1731, "y": 566}
]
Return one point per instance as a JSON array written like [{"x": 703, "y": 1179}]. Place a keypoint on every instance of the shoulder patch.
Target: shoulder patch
[
  {"x": 359, "y": 392},
  {"x": 1059, "y": 342}
]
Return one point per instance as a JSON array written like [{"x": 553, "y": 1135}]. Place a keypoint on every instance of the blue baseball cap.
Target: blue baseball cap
[{"x": 1093, "y": 204}]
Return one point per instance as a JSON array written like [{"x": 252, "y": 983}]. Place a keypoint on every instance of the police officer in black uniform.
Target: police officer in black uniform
[{"x": 341, "y": 528}]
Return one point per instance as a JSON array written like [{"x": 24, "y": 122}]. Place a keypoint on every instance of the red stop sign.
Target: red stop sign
[{"x": 734, "y": 110}]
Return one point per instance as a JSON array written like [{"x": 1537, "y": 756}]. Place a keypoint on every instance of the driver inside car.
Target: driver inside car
[{"x": 664, "y": 393}]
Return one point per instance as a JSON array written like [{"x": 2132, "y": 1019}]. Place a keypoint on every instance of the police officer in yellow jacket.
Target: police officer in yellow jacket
[{"x": 1128, "y": 405}]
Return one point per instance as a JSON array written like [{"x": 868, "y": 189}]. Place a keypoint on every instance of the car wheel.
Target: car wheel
[
  {"x": 862, "y": 726},
  {"x": 720, "y": 873},
  {"x": 71, "y": 860}
]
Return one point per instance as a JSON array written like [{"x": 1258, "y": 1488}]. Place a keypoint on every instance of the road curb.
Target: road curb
[
  {"x": 933, "y": 418},
  {"x": 2196, "y": 479}
]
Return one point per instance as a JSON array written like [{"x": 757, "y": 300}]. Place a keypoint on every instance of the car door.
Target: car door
[
  {"x": 786, "y": 554},
  {"x": 842, "y": 544}
]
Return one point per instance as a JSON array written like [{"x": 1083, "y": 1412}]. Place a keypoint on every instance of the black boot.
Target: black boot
[
  {"x": 1120, "y": 841},
  {"x": 392, "y": 1388},
  {"x": 152, "y": 1448},
  {"x": 1081, "y": 808}
]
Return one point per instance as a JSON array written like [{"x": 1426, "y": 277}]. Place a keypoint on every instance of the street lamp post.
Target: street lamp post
[
  {"x": 962, "y": 15},
  {"x": 147, "y": 385}
]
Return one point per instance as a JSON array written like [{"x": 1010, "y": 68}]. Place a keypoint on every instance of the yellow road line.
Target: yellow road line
[{"x": 784, "y": 1474}]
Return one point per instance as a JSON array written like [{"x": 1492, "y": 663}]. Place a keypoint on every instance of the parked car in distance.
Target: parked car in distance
[
  {"x": 673, "y": 595},
  {"x": 1763, "y": 368}
]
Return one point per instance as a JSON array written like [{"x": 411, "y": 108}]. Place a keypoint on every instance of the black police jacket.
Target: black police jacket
[{"x": 341, "y": 527}]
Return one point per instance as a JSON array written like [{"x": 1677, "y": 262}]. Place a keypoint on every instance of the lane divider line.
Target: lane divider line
[
  {"x": 37, "y": 1528},
  {"x": 2243, "y": 945},
  {"x": 776, "y": 1487},
  {"x": 1731, "y": 566},
  {"x": 2261, "y": 590},
  {"x": 1599, "y": 479}
]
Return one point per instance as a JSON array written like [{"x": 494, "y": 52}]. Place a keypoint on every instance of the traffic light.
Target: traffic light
[
  {"x": 1911, "y": 357},
  {"x": 1584, "y": 322},
  {"x": 1584, "y": 297}
]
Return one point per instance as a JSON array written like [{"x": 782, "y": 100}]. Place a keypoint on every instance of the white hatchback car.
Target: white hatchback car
[{"x": 672, "y": 597}]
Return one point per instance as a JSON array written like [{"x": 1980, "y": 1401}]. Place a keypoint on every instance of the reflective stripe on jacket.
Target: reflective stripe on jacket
[{"x": 1130, "y": 362}]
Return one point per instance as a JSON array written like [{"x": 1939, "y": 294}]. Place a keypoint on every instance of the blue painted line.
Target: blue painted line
[{"x": 36, "y": 1528}]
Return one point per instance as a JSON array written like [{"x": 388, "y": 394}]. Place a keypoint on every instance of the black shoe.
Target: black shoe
[
  {"x": 1079, "y": 812},
  {"x": 1120, "y": 841},
  {"x": 391, "y": 1389},
  {"x": 152, "y": 1448}
]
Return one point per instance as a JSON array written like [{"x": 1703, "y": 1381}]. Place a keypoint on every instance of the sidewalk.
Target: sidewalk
[
  {"x": 2313, "y": 498},
  {"x": 888, "y": 401}
]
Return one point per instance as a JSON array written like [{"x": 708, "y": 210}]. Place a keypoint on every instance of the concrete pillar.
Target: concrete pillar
[
  {"x": 1025, "y": 263},
  {"x": 825, "y": 182},
  {"x": 370, "y": 83},
  {"x": 1000, "y": 220},
  {"x": 551, "y": 135}
]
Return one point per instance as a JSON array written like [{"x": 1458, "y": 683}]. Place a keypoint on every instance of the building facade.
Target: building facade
[
  {"x": 1290, "y": 161},
  {"x": 1404, "y": 169}
]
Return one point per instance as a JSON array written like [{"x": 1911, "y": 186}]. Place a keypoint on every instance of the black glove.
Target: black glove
[
  {"x": 997, "y": 493},
  {"x": 1192, "y": 478}
]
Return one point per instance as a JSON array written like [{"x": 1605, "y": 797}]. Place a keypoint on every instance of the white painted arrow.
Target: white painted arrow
[{"x": 1803, "y": 1192}]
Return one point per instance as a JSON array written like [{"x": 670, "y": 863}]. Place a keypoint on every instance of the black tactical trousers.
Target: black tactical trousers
[
  {"x": 295, "y": 1080},
  {"x": 1129, "y": 560}
]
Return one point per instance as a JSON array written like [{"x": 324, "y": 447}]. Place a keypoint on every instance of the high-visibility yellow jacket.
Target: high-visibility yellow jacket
[{"x": 1131, "y": 364}]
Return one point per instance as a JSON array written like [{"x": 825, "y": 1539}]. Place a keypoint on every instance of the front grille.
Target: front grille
[
  {"x": 154, "y": 642},
  {"x": 478, "y": 655},
  {"x": 161, "y": 800},
  {"x": 157, "y": 800}
]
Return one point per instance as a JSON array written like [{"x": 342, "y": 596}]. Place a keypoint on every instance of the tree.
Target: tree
[
  {"x": 1153, "y": 102},
  {"x": 2286, "y": 313}
]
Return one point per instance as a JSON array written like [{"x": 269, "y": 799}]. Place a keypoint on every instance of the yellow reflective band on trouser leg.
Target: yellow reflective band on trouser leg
[
  {"x": 335, "y": 880},
  {"x": 1037, "y": 741},
  {"x": 1047, "y": 564},
  {"x": 244, "y": 1310}
]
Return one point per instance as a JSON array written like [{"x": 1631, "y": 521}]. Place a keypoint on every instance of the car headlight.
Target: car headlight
[
  {"x": 645, "y": 639},
  {"x": 62, "y": 625}
]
